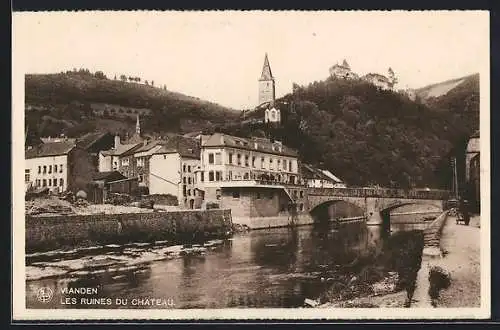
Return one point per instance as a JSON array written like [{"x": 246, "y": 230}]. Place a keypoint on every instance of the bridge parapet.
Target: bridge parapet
[{"x": 382, "y": 193}]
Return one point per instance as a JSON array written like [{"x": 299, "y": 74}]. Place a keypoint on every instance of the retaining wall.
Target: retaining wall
[{"x": 51, "y": 232}]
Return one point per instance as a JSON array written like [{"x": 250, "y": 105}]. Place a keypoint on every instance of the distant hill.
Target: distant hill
[
  {"x": 442, "y": 88},
  {"x": 459, "y": 96},
  {"x": 365, "y": 135},
  {"x": 77, "y": 102}
]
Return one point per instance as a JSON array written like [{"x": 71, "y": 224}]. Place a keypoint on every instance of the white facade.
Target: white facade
[
  {"x": 165, "y": 174},
  {"x": 227, "y": 164},
  {"x": 47, "y": 171},
  {"x": 272, "y": 115}
]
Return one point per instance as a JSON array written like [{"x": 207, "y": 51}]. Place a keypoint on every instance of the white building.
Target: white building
[
  {"x": 58, "y": 166},
  {"x": 272, "y": 115},
  {"x": 172, "y": 171}
]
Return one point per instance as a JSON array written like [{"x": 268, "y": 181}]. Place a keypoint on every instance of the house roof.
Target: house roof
[
  {"x": 311, "y": 172},
  {"x": 256, "y": 144},
  {"x": 149, "y": 145},
  {"x": 50, "y": 149},
  {"x": 266, "y": 70},
  {"x": 108, "y": 176},
  {"x": 121, "y": 149},
  {"x": 185, "y": 146},
  {"x": 87, "y": 140}
]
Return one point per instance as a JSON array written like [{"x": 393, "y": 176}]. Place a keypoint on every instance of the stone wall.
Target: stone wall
[{"x": 52, "y": 232}]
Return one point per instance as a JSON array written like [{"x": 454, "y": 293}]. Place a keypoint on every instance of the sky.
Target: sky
[{"x": 218, "y": 56}]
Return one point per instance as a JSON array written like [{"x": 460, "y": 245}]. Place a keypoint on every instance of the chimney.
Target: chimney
[{"x": 117, "y": 141}]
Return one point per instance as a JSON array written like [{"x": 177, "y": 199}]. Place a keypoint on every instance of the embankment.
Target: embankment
[
  {"x": 52, "y": 232},
  {"x": 431, "y": 252}
]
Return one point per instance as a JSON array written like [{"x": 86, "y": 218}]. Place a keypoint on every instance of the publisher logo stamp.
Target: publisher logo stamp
[{"x": 44, "y": 294}]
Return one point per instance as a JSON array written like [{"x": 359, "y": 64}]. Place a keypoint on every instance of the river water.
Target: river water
[{"x": 262, "y": 268}]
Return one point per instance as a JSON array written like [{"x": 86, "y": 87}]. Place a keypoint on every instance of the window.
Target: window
[
  {"x": 50, "y": 182},
  {"x": 246, "y": 176},
  {"x": 54, "y": 182},
  {"x": 218, "y": 176},
  {"x": 290, "y": 166},
  {"x": 38, "y": 182},
  {"x": 140, "y": 161},
  {"x": 262, "y": 162},
  {"x": 60, "y": 168},
  {"x": 141, "y": 178},
  {"x": 271, "y": 166},
  {"x": 39, "y": 169},
  {"x": 211, "y": 176},
  {"x": 189, "y": 192},
  {"x": 184, "y": 190},
  {"x": 217, "y": 194},
  {"x": 189, "y": 168},
  {"x": 253, "y": 161},
  {"x": 279, "y": 164},
  {"x": 230, "y": 158},
  {"x": 44, "y": 183},
  {"x": 184, "y": 180},
  {"x": 246, "y": 160},
  {"x": 295, "y": 194},
  {"x": 44, "y": 169},
  {"x": 218, "y": 158},
  {"x": 26, "y": 175},
  {"x": 236, "y": 194},
  {"x": 230, "y": 175},
  {"x": 202, "y": 174},
  {"x": 301, "y": 207},
  {"x": 238, "y": 159},
  {"x": 301, "y": 194},
  {"x": 284, "y": 164},
  {"x": 184, "y": 168},
  {"x": 61, "y": 182},
  {"x": 55, "y": 168},
  {"x": 189, "y": 180},
  {"x": 210, "y": 158},
  {"x": 125, "y": 162},
  {"x": 50, "y": 169},
  {"x": 164, "y": 156}
]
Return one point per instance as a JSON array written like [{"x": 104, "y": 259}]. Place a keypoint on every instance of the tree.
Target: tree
[
  {"x": 131, "y": 79},
  {"x": 114, "y": 77},
  {"x": 99, "y": 75},
  {"x": 146, "y": 82},
  {"x": 123, "y": 77},
  {"x": 152, "y": 82}
]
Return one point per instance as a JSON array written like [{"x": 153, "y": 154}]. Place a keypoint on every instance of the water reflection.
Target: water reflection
[{"x": 265, "y": 268}]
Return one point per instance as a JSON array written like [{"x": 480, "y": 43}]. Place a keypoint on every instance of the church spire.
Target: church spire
[
  {"x": 138, "y": 127},
  {"x": 266, "y": 70}
]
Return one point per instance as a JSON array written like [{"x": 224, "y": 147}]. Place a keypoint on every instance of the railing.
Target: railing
[{"x": 381, "y": 192}]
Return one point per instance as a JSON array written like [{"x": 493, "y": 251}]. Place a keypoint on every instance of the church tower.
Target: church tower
[{"x": 266, "y": 84}]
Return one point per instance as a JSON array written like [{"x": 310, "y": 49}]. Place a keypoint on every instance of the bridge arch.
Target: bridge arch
[{"x": 336, "y": 208}]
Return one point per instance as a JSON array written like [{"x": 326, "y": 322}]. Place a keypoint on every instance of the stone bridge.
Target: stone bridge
[{"x": 377, "y": 202}]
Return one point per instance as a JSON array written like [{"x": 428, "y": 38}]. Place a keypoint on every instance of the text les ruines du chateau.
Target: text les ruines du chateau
[{"x": 106, "y": 301}]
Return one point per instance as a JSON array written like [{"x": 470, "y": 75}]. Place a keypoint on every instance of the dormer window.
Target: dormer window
[{"x": 255, "y": 145}]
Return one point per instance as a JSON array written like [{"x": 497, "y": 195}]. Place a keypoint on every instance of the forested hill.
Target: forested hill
[
  {"x": 76, "y": 102},
  {"x": 369, "y": 136}
]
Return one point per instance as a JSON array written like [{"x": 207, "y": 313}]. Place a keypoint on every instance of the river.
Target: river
[{"x": 262, "y": 268}]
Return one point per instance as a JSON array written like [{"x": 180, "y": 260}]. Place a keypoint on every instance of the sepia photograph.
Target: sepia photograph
[{"x": 251, "y": 165}]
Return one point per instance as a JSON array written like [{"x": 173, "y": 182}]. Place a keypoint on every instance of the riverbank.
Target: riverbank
[
  {"x": 461, "y": 259},
  {"x": 386, "y": 280}
]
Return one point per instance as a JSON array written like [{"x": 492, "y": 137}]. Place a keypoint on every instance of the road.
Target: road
[{"x": 461, "y": 247}]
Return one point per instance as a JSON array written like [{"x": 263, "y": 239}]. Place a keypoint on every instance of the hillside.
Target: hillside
[
  {"x": 77, "y": 102},
  {"x": 368, "y": 136},
  {"x": 442, "y": 88}
]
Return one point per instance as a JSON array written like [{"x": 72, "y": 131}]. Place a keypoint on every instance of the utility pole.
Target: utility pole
[{"x": 455, "y": 176}]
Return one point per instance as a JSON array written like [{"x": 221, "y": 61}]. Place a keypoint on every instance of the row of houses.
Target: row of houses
[{"x": 197, "y": 169}]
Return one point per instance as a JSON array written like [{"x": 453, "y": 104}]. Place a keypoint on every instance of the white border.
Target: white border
[{"x": 19, "y": 311}]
